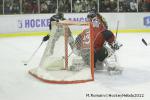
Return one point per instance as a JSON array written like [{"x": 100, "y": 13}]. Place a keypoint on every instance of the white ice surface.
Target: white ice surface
[{"x": 17, "y": 84}]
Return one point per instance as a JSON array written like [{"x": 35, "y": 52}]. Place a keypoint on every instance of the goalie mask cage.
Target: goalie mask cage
[{"x": 59, "y": 63}]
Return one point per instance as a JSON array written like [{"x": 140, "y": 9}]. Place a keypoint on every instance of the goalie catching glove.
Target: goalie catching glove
[{"x": 115, "y": 45}]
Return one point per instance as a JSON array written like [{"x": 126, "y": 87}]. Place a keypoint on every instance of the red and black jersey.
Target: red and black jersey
[{"x": 101, "y": 35}]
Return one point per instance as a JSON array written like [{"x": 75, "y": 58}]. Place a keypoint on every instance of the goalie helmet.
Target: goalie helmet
[
  {"x": 60, "y": 15},
  {"x": 91, "y": 14},
  {"x": 94, "y": 17}
]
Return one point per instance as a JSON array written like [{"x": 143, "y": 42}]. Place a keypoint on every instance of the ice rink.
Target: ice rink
[{"x": 17, "y": 84}]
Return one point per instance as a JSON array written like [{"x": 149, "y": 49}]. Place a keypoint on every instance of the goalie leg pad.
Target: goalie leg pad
[
  {"x": 99, "y": 65},
  {"x": 53, "y": 40},
  {"x": 85, "y": 53},
  {"x": 113, "y": 65},
  {"x": 71, "y": 41},
  {"x": 111, "y": 62}
]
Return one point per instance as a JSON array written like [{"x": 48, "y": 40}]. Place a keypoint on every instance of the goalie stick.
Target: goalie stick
[
  {"x": 117, "y": 32},
  {"x": 116, "y": 38},
  {"x": 27, "y": 61},
  {"x": 117, "y": 29}
]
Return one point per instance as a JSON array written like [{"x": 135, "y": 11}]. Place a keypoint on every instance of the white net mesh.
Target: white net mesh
[{"x": 67, "y": 55}]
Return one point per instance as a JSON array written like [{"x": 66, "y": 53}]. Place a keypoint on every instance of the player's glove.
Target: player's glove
[
  {"x": 116, "y": 45},
  {"x": 45, "y": 38}
]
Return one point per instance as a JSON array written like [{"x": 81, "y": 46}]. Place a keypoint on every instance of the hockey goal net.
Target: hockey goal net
[{"x": 68, "y": 56}]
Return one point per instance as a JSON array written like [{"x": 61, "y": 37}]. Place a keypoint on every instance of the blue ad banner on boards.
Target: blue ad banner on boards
[{"x": 147, "y": 21}]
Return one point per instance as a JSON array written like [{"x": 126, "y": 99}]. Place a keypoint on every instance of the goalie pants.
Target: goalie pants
[{"x": 100, "y": 55}]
